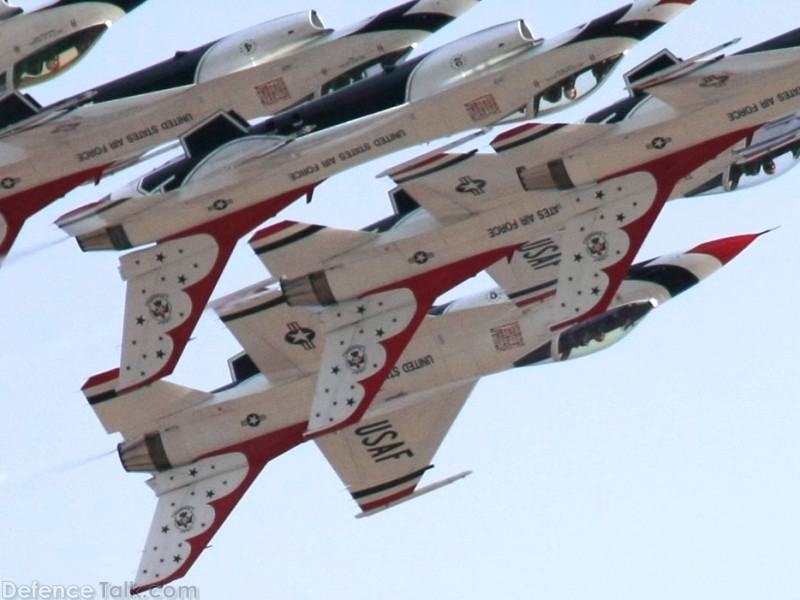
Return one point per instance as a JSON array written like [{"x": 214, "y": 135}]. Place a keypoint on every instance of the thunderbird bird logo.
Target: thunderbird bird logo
[
  {"x": 184, "y": 518},
  {"x": 597, "y": 245},
  {"x": 356, "y": 358},
  {"x": 160, "y": 308}
]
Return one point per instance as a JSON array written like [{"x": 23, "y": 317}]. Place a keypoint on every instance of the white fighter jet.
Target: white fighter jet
[
  {"x": 39, "y": 45},
  {"x": 543, "y": 199},
  {"x": 252, "y": 47},
  {"x": 280, "y": 64},
  {"x": 197, "y": 208},
  {"x": 205, "y": 449}
]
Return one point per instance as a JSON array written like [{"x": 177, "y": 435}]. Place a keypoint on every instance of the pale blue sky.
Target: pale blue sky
[{"x": 666, "y": 467}]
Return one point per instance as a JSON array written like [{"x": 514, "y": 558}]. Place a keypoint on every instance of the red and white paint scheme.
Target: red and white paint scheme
[
  {"x": 477, "y": 81},
  {"x": 205, "y": 449},
  {"x": 39, "y": 45},
  {"x": 285, "y": 62},
  {"x": 591, "y": 234}
]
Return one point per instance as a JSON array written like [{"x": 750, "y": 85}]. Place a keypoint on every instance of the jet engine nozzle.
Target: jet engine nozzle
[
  {"x": 144, "y": 454},
  {"x": 110, "y": 238},
  {"x": 308, "y": 290}
]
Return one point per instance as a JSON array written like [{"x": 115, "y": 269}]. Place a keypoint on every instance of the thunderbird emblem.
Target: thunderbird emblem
[
  {"x": 160, "y": 308},
  {"x": 356, "y": 358}
]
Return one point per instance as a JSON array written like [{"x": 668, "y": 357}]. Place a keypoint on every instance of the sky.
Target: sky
[{"x": 666, "y": 467}]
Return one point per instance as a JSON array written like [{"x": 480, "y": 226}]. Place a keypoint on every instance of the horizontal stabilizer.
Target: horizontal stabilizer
[
  {"x": 139, "y": 411},
  {"x": 290, "y": 249},
  {"x": 283, "y": 341},
  {"x": 458, "y": 185}
]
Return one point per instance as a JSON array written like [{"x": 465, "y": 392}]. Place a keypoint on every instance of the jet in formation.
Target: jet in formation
[
  {"x": 197, "y": 207},
  {"x": 39, "y": 45},
  {"x": 204, "y": 449},
  {"x": 48, "y": 153},
  {"x": 350, "y": 348}
]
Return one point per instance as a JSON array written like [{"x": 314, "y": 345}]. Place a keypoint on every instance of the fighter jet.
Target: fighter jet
[
  {"x": 519, "y": 202},
  {"x": 205, "y": 449},
  {"x": 294, "y": 58},
  {"x": 751, "y": 97},
  {"x": 198, "y": 207},
  {"x": 291, "y": 35},
  {"x": 39, "y": 45},
  {"x": 577, "y": 244}
]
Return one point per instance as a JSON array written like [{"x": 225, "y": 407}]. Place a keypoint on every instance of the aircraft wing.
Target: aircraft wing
[
  {"x": 453, "y": 185},
  {"x": 168, "y": 287},
  {"x": 382, "y": 459},
  {"x": 709, "y": 82},
  {"x": 365, "y": 337},
  {"x": 193, "y": 502},
  {"x": 283, "y": 341},
  {"x": 583, "y": 263}
]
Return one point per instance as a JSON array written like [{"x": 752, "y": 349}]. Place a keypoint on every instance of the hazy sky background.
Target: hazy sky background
[{"x": 666, "y": 467}]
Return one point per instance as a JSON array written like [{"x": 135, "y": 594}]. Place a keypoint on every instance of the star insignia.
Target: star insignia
[
  {"x": 165, "y": 529},
  {"x": 621, "y": 218},
  {"x": 210, "y": 494},
  {"x": 380, "y": 333},
  {"x": 595, "y": 291},
  {"x": 176, "y": 558},
  {"x": 335, "y": 370},
  {"x": 350, "y": 402},
  {"x": 193, "y": 472},
  {"x": 659, "y": 143},
  {"x": 160, "y": 257},
  {"x": 182, "y": 279},
  {"x": 361, "y": 309},
  {"x": 578, "y": 257},
  {"x": 600, "y": 195},
  {"x": 140, "y": 320}
]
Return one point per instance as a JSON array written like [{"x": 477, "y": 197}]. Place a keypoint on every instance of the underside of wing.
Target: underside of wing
[
  {"x": 283, "y": 341},
  {"x": 193, "y": 503},
  {"x": 169, "y": 285},
  {"x": 581, "y": 265},
  {"x": 382, "y": 459},
  {"x": 364, "y": 338}
]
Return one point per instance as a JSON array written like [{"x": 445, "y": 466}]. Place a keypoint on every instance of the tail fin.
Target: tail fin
[
  {"x": 137, "y": 412},
  {"x": 290, "y": 248}
]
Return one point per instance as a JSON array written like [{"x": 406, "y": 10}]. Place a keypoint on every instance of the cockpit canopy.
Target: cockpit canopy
[
  {"x": 573, "y": 88},
  {"x": 54, "y": 58},
  {"x": 772, "y": 151}
]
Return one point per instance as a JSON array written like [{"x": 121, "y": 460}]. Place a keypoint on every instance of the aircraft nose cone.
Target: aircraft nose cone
[{"x": 726, "y": 249}]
